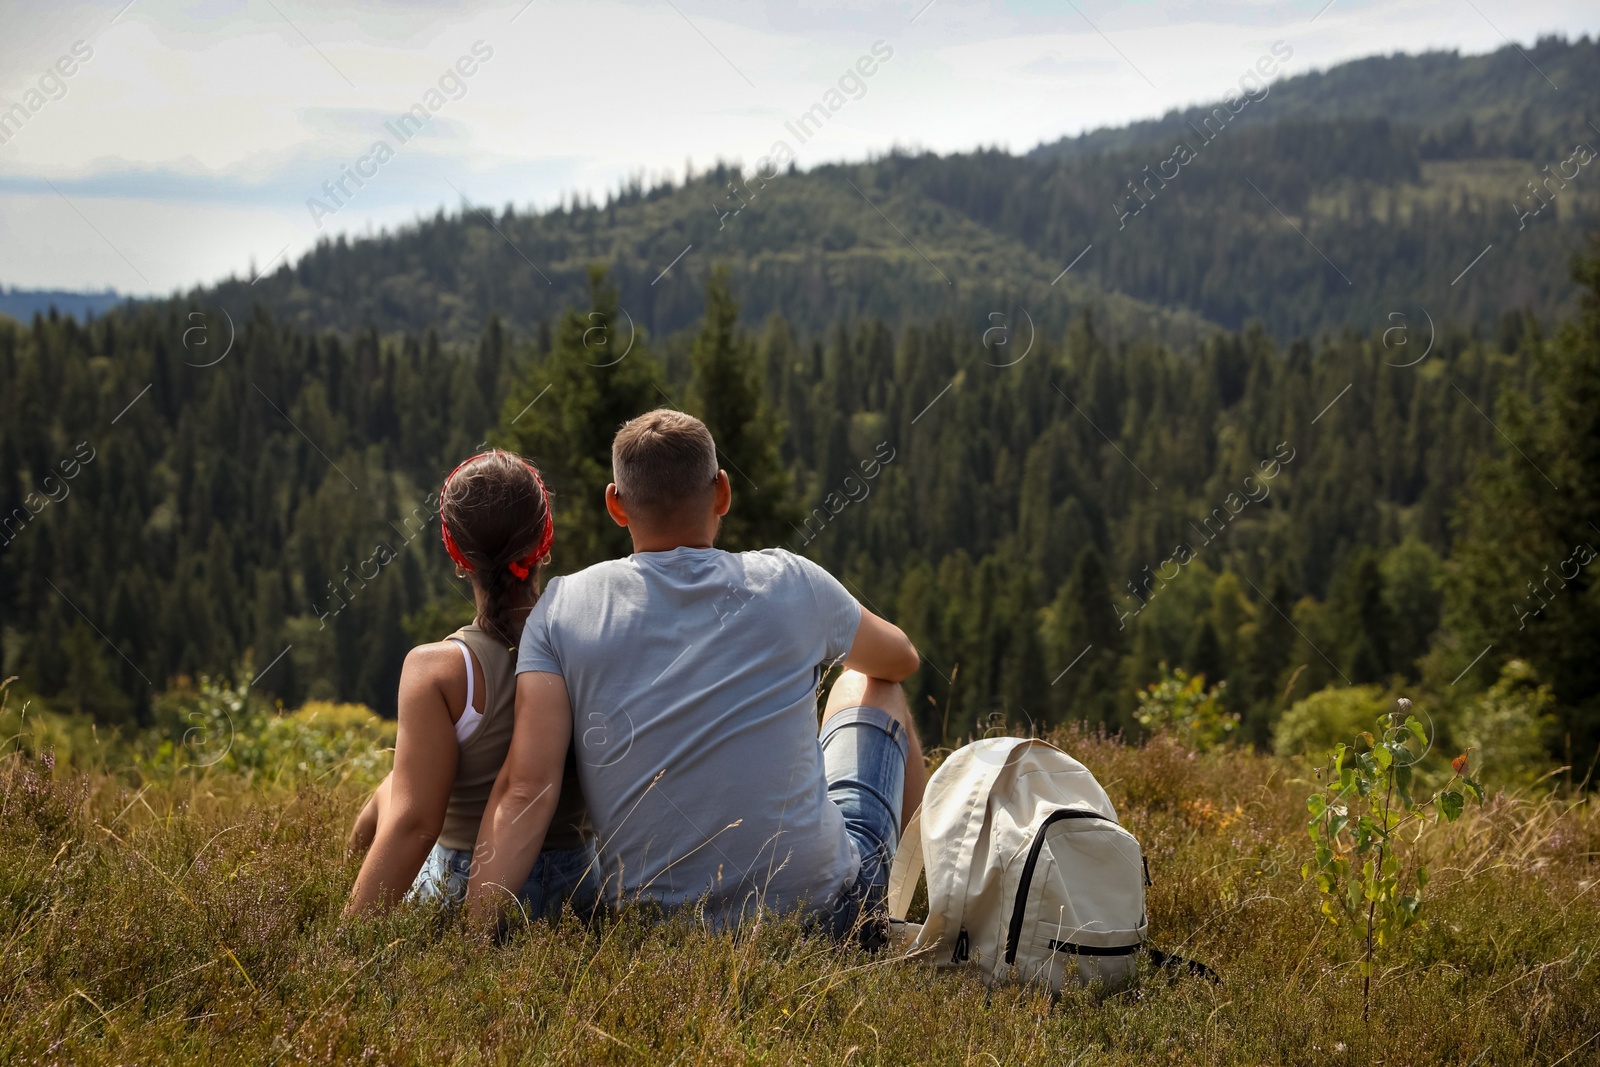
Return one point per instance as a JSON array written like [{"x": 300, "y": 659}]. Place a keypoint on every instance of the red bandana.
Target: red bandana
[{"x": 519, "y": 567}]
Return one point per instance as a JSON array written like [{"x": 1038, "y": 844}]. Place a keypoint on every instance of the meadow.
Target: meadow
[{"x": 164, "y": 903}]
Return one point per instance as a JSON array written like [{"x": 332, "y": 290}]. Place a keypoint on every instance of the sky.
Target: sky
[{"x": 192, "y": 140}]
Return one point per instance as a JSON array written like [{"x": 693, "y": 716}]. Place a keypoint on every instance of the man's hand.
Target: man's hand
[
  {"x": 525, "y": 794},
  {"x": 882, "y": 650}
]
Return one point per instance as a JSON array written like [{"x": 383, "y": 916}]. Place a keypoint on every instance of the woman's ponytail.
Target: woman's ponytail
[{"x": 495, "y": 519}]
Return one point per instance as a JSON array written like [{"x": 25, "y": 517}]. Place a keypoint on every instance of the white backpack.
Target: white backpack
[{"x": 1030, "y": 876}]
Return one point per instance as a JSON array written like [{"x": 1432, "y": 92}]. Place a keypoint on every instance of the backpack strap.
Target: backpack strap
[
  {"x": 1166, "y": 961},
  {"x": 907, "y": 868},
  {"x": 971, "y": 772}
]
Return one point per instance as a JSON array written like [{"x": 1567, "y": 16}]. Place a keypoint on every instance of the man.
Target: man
[{"x": 689, "y": 675}]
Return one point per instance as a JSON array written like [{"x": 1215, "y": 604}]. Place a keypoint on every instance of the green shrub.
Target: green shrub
[
  {"x": 217, "y": 723},
  {"x": 197, "y": 723},
  {"x": 1510, "y": 727},
  {"x": 322, "y": 738},
  {"x": 1324, "y": 719},
  {"x": 1182, "y": 707},
  {"x": 71, "y": 739}
]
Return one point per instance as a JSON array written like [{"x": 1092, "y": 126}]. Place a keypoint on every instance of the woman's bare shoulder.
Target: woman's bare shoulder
[{"x": 438, "y": 662}]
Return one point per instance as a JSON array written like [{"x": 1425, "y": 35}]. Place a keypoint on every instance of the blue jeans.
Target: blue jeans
[
  {"x": 559, "y": 876},
  {"x": 864, "y": 752}
]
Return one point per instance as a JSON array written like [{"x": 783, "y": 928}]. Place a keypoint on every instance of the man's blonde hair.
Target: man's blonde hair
[{"x": 664, "y": 464}]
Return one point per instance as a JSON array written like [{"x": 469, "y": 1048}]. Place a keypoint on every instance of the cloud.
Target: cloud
[{"x": 1054, "y": 65}]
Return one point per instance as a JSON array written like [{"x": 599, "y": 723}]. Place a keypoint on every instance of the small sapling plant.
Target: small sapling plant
[{"x": 1360, "y": 868}]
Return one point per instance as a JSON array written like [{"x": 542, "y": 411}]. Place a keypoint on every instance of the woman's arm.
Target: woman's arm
[{"x": 410, "y": 816}]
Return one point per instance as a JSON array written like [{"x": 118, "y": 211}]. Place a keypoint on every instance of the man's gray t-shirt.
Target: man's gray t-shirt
[{"x": 693, "y": 675}]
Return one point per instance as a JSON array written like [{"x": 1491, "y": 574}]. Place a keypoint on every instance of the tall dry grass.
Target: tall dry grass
[{"x": 193, "y": 916}]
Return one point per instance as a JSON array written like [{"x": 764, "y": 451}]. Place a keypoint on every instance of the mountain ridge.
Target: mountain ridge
[
  {"x": 1325, "y": 203},
  {"x": 1434, "y": 91}
]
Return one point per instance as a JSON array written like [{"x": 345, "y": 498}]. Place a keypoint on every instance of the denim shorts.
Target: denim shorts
[
  {"x": 559, "y": 876},
  {"x": 864, "y": 752}
]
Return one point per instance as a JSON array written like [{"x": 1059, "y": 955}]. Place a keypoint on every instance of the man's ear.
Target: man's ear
[
  {"x": 723, "y": 494},
  {"x": 614, "y": 508}
]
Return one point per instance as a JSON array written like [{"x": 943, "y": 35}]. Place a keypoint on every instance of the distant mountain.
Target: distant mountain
[
  {"x": 23, "y": 304},
  {"x": 818, "y": 246},
  {"x": 1514, "y": 102},
  {"x": 1398, "y": 184}
]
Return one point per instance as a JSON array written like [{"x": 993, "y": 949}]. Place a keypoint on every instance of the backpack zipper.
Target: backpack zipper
[
  {"x": 1014, "y": 934},
  {"x": 1093, "y": 950}
]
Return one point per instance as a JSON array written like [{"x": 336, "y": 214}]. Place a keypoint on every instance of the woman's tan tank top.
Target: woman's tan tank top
[{"x": 481, "y": 755}]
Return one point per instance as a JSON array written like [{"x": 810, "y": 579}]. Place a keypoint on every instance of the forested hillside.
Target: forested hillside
[
  {"x": 1050, "y": 529},
  {"x": 1513, "y": 102},
  {"x": 1324, "y": 203},
  {"x": 1298, "y": 456}
]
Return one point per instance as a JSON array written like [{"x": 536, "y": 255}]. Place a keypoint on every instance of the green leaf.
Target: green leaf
[
  {"x": 1474, "y": 788},
  {"x": 1416, "y": 729},
  {"x": 1422, "y": 878},
  {"x": 1316, "y": 803},
  {"x": 1450, "y": 805}
]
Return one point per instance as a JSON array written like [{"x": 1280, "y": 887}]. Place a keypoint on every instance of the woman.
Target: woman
[{"x": 456, "y": 712}]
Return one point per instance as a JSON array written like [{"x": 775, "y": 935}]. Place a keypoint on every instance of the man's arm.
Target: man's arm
[
  {"x": 525, "y": 793},
  {"x": 882, "y": 650}
]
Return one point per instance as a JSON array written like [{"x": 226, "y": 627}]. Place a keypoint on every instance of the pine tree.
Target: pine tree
[
  {"x": 564, "y": 410},
  {"x": 728, "y": 394},
  {"x": 1413, "y": 577},
  {"x": 1083, "y": 645},
  {"x": 491, "y": 360},
  {"x": 1203, "y": 653},
  {"x": 1523, "y": 581},
  {"x": 1361, "y": 618},
  {"x": 1268, "y": 642}
]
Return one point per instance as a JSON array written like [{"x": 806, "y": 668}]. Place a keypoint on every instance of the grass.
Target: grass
[{"x": 193, "y": 916}]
